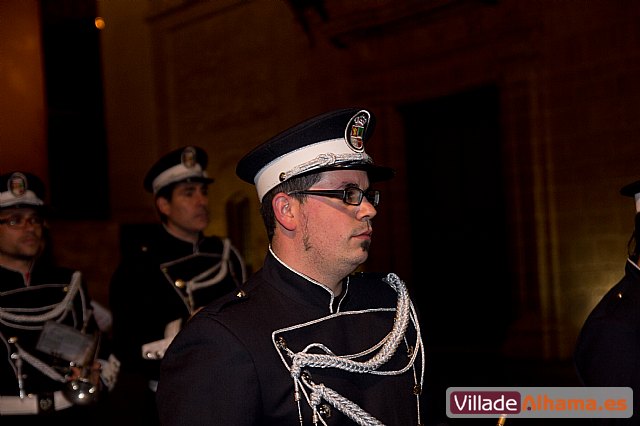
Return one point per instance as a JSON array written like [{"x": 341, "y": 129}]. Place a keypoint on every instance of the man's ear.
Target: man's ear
[
  {"x": 163, "y": 206},
  {"x": 283, "y": 209}
]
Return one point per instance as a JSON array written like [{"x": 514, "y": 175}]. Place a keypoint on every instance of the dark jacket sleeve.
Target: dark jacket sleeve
[
  {"x": 238, "y": 267},
  {"x": 197, "y": 385},
  {"x": 607, "y": 352}
]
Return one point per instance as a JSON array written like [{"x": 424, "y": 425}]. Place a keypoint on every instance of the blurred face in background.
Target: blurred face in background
[
  {"x": 21, "y": 234},
  {"x": 187, "y": 213}
]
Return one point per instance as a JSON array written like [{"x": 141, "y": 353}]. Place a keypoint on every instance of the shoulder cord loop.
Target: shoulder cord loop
[
  {"x": 199, "y": 281},
  {"x": 58, "y": 311},
  {"x": 39, "y": 364},
  {"x": 405, "y": 312},
  {"x": 195, "y": 283}
]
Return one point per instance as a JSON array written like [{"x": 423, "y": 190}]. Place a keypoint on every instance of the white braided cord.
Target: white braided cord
[
  {"x": 391, "y": 342},
  {"x": 39, "y": 365},
  {"x": 386, "y": 348},
  {"x": 9, "y": 317},
  {"x": 197, "y": 282},
  {"x": 222, "y": 266},
  {"x": 325, "y": 160},
  {"x": 24, "y": 318},
  {"x": 349, "y": 408}
]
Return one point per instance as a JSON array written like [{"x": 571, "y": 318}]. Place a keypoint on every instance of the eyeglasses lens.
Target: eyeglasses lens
[
  {"x": 373, "y": 197},
  {"x": 353, "y": 196},
  {"x": 21, "y": 221}
]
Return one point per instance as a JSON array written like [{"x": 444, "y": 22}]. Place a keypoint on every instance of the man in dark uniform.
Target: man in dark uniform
[
  {"x": 608, "y": 349},
  {"x": 174, "y": 271},
  {"x": 310, "y": 342},
  {"x": 52, "y": 353}
]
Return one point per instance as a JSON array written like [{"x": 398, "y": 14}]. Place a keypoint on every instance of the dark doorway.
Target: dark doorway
[
  {"x": 459, "y": 221},
  {"x": 459, "y": 237},
  {"x": 78, "y": 167}
]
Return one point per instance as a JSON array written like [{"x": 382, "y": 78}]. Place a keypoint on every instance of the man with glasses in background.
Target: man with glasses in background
[
  {"x": 54, "y": 361},
  {"x": 311, "y": 342}
]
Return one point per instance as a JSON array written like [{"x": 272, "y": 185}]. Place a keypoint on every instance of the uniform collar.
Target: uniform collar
[
  {"x": 300, "y": 287},
  {"x": 182, "y": 244},
  {"x": 632, "y": 267}
]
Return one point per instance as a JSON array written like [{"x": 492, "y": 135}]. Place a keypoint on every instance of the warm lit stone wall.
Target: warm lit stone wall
[{"x": 228, "y": 74}]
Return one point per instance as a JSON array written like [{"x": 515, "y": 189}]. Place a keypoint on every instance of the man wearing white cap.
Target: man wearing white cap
[
  {"x": 608, "y": 349},
  {"x": 171, "y": 274},
  {"x": 53, "y": 354},
  {"x": 311, "y": 342}
]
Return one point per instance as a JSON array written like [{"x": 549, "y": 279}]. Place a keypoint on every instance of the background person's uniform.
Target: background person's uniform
[
  {"x": 159, "y": 284},
  {"x": 25, "y": 311},
  {"x": 608, "y": 348},
  {"x": 46, "y": 318},
  {"x": 150, "y": 291},
  {"x": 607, "y": 351},
  {"x": 300, "y": 313}
]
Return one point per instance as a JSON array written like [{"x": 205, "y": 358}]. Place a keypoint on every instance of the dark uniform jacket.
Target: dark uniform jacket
[
  {"x": 608, "y": 348},
  {"x": 148, "y": 291},
  {"x": 228, "y": 365},
  {"x": 25, "y": 312}
]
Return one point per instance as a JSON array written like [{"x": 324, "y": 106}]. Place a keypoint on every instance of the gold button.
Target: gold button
[
  {"x": 325, "y": 411},
  {"x": 417, "y": 390},
  {"x": 619, "y": 295},
  {"x": 282, "y": 344},
  {"x": 179, "y": 283},
  {"x": 241, "y": 294}
]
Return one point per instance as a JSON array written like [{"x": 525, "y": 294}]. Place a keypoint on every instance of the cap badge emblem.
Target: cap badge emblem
[
  {"x": 188, "y": 158},
  {"x": 356, "y": 130},
  {"x": 17, "y": 184}
]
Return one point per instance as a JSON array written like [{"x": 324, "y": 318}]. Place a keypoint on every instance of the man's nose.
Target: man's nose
[{"x": 203, "y": 198}]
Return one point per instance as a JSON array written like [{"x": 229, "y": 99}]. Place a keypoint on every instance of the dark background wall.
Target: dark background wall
[{"x": 512, "y": 125}]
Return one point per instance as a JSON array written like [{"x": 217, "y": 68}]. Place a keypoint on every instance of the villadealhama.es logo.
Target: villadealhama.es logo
[{"x": 540, "y": 402}]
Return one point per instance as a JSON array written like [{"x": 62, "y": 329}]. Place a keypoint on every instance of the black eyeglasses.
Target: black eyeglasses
[
  {"x": 352, "y": 196},
  {"x": 17, "y": 221}
]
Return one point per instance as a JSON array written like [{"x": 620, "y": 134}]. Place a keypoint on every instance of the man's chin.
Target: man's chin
[
  {"x": 201, "y": 223},
  {"x": 28, "y": 254}
]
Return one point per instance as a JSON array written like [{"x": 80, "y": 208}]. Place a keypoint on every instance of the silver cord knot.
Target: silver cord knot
[{"x": 382, "y": 353}]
